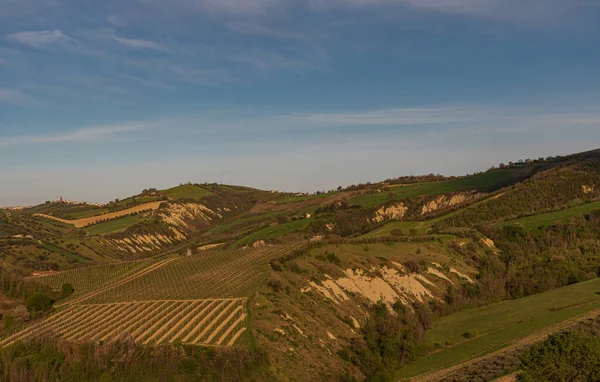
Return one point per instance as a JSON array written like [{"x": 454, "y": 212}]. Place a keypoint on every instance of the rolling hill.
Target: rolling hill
[{"x": 413, "y": 277}]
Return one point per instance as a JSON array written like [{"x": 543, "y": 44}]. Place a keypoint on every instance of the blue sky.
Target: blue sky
[{"x": 102, "y": 99}]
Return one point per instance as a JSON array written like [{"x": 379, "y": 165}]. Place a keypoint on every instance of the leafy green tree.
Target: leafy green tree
[
  {"x": 569, "y": 356},
  {"x": 38, "y": 302}
]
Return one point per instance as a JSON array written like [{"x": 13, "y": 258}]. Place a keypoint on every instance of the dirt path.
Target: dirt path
[
  {"x": 79, "y": 223},
  {"x": 537, "y": 337}
]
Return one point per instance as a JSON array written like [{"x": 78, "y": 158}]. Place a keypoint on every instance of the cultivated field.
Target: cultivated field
[
  {"x": 199, "y": 299},
  {"x": 210, "y": 274},
  {"x": 115, "y": 225},
  {"x": 90, "y": 278},
  {"x": 274, "y": 231},
  {"x": 218, "y": 322},
  {"x": 496, "y": 326},
  {"x": 83, "y": 222}
]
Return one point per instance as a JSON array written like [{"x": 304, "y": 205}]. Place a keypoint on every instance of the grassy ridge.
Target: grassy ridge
[
  {"x": 187, "y": 192},
  {"x": 481, "y": 182},
  {"x": 551, "y": 218},
  {"x": 291, "y": 199},
  {"x": 497, "y": 325}
]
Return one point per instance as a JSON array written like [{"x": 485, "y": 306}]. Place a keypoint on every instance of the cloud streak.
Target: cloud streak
[
  {"x": 81, "y": 135},
  {"x": 41, "y": 38},
  {"x": 400, "y": 116},
  {"x": 138, "y": 43}
]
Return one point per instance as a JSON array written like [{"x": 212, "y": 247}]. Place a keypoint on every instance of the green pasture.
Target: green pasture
[
  {"x": 551, "y": 218},
  {"x": 187, "y": 192},
  {"x": 498, "y": 325},
  {"x": 115, "y": 225}
]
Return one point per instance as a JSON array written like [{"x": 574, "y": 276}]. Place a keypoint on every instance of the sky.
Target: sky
[{"x": 101, "y": 99}]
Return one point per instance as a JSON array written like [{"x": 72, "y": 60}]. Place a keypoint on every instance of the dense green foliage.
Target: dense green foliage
[
  {"x": 570, "y": 356},
  {"x": 67, "y": 290},
  {"x": 536, "y": 261},
  {"x": 38, "y": 302},
  {"x": 47, "y": 360},
  {"x": 391, "y": 339}
]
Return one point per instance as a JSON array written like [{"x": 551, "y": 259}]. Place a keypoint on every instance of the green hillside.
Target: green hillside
[
  {"x": 187, "y": 192},
  {"x": 497, "y": 325},
  {"x": 551, "y": 218},
  {"x": 376, "y": 281}
]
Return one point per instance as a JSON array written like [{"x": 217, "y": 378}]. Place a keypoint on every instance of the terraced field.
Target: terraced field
[
  {"x": 88, "y": 278},
  {"x": 210, "y": 274},
  {"x": 217, "y": 322},
  {"x": 198, "y": 299},
  {"x": 84, "y": 222}
]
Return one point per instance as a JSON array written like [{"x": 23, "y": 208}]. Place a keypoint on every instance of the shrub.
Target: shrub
[
  {"x": 333, "y": 258},
  {"x": 277, "y": 266},
  {"x": 397, "y": 232},
  {"x": 67, "y": 290},
  {"x": 38, "y": 302},
  {"x": 276, "y": 285}
]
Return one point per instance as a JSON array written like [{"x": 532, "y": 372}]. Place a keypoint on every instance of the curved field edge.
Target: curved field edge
[
  {"x": 503, "y": 324},
  {"x": 80, "y": 223}
]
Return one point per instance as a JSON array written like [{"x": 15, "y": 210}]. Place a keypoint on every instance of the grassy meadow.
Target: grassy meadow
[
  {"x": 498, "y": 325},
  {"x": 551, "y": 218},
  {"x": 187, "y": 192},
  {"x": 116, "y": 225},
  {"x": 273, "y": 231}
]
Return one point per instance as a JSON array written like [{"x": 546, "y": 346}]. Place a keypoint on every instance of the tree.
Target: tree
[
  {"x": 67, "y": 290},
  {"x": 38, "y": 302},
  {"x": 569, "y": 356}
]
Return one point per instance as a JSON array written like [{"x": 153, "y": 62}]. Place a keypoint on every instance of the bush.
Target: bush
[
  {"x": 277, "y": 266},
  {"x": 38, "y": 302},
  {"x": 67, "y": 290},
  {"x": 397, "y": 232},
  {"x": 276, "y": 285},
  {"x": 333, "y": 258}
]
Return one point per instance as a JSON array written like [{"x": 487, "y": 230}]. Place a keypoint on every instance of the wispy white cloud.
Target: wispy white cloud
[
  {"x": 139, "y": 43},
  {"x": 80, "y": 135},
  {"x": 537, "y": 10},
  {"x": 41, "y": 38},
  {"x": 18, "y": 98},
  {"x": 409, "y": 116},
  {"x": 233, "y": 7},
  {"x": 259, "y": 29}
]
